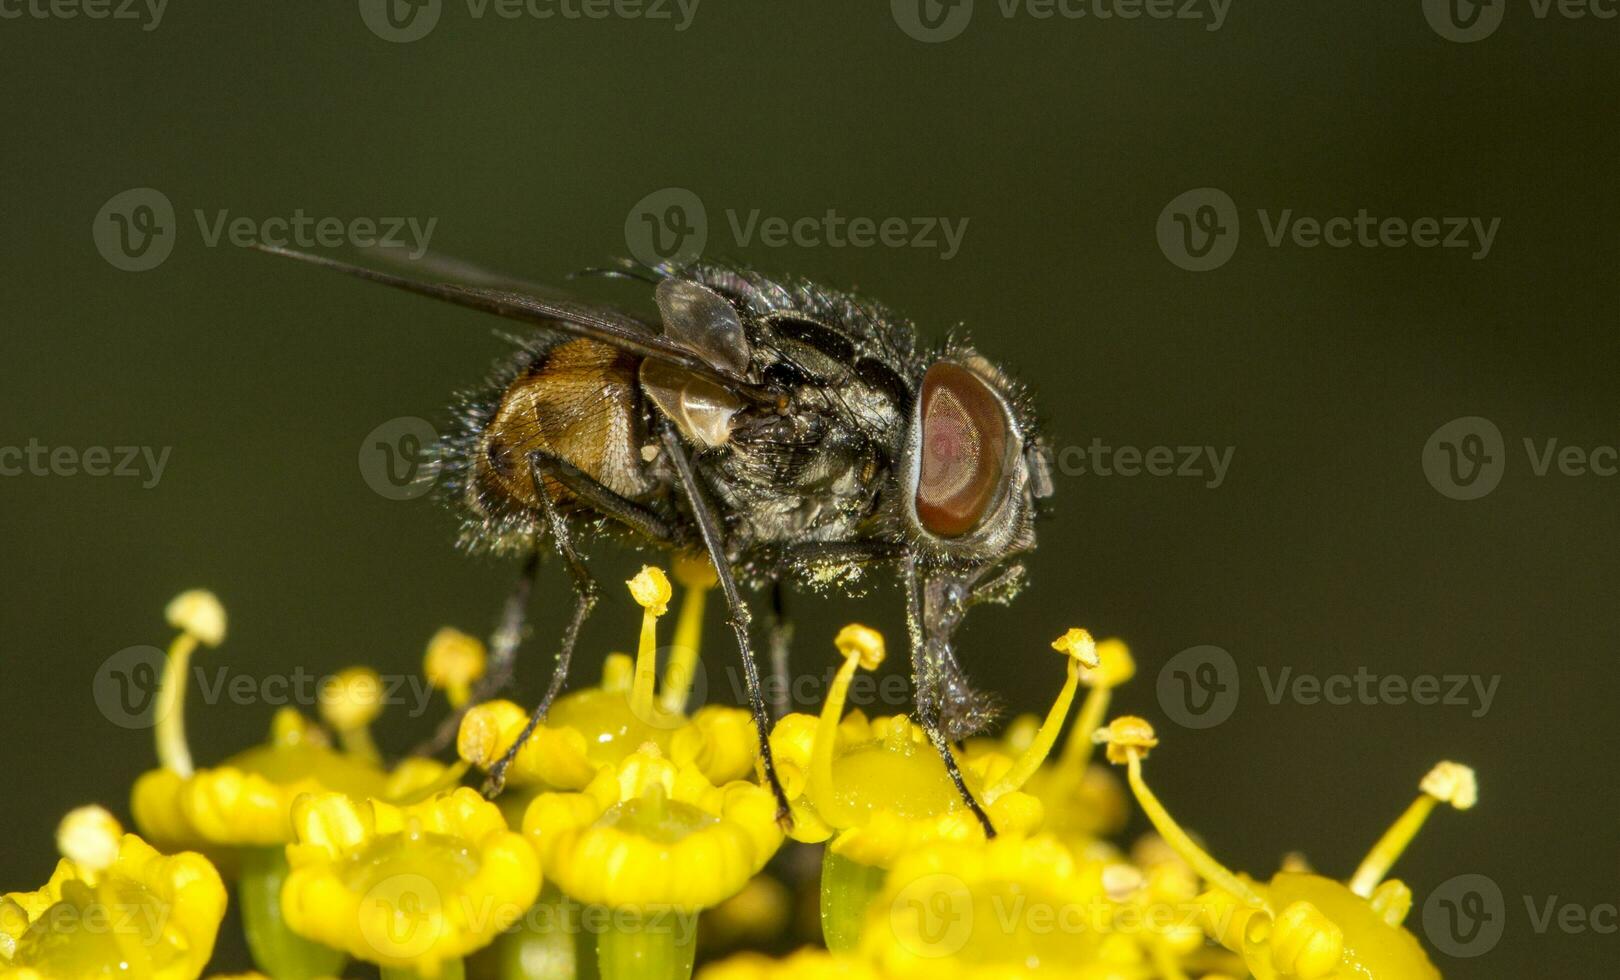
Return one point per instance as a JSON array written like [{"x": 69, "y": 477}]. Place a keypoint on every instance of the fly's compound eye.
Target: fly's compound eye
[{"x": 964, "y": 450}]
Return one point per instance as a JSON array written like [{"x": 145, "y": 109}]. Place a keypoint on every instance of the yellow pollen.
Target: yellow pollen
[
  {"x": 88, "y": 836},
  {"x": 1078, "y": 644},
  {"x": 650, "y": 588},
  {"x": 199, "y": 613},
  {"x": 862, "y": 642},
  {"x": 454, "y": 662},
  {"x": 350, "y": 702}
]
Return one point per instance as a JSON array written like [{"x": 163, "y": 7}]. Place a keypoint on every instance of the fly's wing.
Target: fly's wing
[{"x": 571, "y": 316}]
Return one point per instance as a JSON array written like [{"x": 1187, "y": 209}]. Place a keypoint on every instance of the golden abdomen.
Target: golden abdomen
[{"x": 578, "y": 402}]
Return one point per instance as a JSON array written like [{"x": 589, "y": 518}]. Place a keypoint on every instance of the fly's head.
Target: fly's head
[{"x": 974, "y": 468}]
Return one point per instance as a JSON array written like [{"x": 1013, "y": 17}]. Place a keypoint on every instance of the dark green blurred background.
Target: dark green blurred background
[{"x": 1059, "y": 141}]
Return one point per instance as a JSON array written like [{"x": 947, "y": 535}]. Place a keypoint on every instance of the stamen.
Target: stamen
[
  {"x": 454, "y": 662},
  {"x": 350, "y": 703},
  {"x": 650, "y": 588},
  {"x": 89, "y": 837},
  {"x": 1115, "y": 666},
  {"x": 1128, "y": 739},
  {"x": 1081, "y": 650},
  {"x": 861, "y": 647},
  {"x": 696, "y": 575},
  {"x": 1447, "y": 782},
  {"x": 200, "y": 618}
]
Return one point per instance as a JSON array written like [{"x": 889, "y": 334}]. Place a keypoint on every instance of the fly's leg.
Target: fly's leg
[
  {"x": 740, "y": 618},
  {"x": 502, "y": 657},
  {"x": 928, "y": 681},
  {"x": 585, "y": 592}
]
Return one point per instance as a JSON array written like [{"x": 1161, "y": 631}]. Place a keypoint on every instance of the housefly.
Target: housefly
[{"x": 794, "y": 433}]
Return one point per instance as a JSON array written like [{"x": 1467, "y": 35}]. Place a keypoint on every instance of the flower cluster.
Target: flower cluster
[{"x": 636, "y": 838}]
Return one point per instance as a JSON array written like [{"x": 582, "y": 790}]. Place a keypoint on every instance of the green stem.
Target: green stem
[
  {"x": 847, "y": 888},
  {"x": 661, "y": 946},
  {"x": 278, "y": 951},
  {"x": 545, "y": 942}
]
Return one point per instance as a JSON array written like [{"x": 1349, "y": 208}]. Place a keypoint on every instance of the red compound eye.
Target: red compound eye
[{"x": 964, "y": 441}]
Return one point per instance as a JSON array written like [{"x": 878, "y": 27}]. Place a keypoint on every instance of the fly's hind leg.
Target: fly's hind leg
[
  {"x": 740, "y": 617},
  {"x": 585, "y": 593}
]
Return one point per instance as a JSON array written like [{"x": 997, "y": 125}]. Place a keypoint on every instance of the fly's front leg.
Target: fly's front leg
[
  {"x": 929, "y": 627},
  {"x": 740, "y": 618},
  {"x": 585, "y": 593}
]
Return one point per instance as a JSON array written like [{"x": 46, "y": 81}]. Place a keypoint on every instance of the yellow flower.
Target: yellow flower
[
  {"x": 601, "y": 726},
  {"x": 806, "y": 964},
  {"x": 651, "y": 834},
  {"x": 880, "y": 786},
  {"x": 1301, "y": 924},
  {"x": 410, "y": 887},
  {"x": 1015, "y": 906},
  {"x": 114, "y": 907},
  {"x": 247, "y": 799}
]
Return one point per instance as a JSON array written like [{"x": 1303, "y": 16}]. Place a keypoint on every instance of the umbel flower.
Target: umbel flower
[
  {"x": 414, "y": 888},
  {"x": 657, "y": 841},
  {"x": 1300, "y": 924},
  {"x": 634, "y": 819},
  {"x": 877, "y": 788},
  {"x": 603, "y": 725},
  {"x": 115, "y": 907}
]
